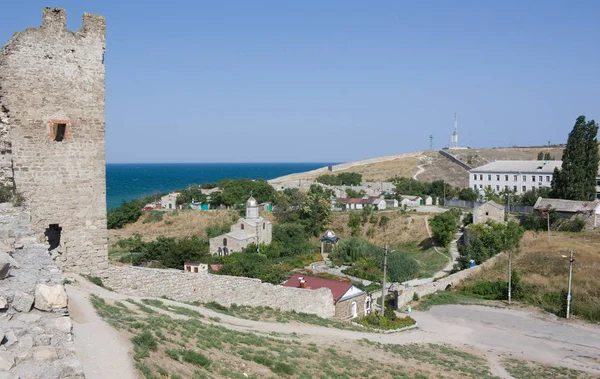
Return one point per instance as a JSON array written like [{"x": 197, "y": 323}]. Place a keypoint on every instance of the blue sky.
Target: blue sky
[{"x": 282, "y": 81}]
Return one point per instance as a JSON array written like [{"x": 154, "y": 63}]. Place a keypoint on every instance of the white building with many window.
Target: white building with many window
[{"x": 516, "y": 176}]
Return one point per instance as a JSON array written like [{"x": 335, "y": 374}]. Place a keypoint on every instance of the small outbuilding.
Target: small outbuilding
[
  {"x": 195, "y": 267},
  {"x": 488, "y": 211},
  {"x": 391, "y": 203},
  {"x": 410, "y": 201},
  {"x": 328, "y": 242},
  {"x": 349, "y": 301},
  {"x": 587, "y": 211}
]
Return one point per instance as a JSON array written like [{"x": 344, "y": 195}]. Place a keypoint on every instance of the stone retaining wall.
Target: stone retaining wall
[
  {"x": 225, "y": 290},
  {"x": 441, "y": 284}
]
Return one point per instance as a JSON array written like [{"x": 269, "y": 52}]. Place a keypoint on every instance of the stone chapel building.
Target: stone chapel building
[{"x": 249, "y": 229}]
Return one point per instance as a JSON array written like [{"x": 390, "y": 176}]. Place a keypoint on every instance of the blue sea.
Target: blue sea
[{"x": 128, "y": 181}]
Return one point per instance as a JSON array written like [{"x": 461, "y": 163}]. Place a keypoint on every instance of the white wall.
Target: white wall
[{"x": 498, "y": 181}]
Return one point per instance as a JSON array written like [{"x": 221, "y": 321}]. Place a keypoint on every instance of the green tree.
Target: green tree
[
  {"x": 468, "y": 194},
  {"x": 444, "y": 226},
  {"x": 291, "y": 238},
  {"x": 548, "y": 156},
  {"x": 540, "y": 156},
  {"x": 353, "y": 194},
  {"x": 354, "y": 223},
  {"x": 400, "y": 266},
  {"x": 409, "y": 186},
  {"x": 315, "y": 213},
  {"x": 530, "y": 197},
  {"x": 576, "y": 180}
]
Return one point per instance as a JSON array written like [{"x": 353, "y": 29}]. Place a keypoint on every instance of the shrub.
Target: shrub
[
  {"x": 154, "y": 216},
  {"x": 195, "y": 358},
  {"x": 415, "y": 296},
  {"x": 216, "y": 230},
  {"x": 444, "y": 226}
]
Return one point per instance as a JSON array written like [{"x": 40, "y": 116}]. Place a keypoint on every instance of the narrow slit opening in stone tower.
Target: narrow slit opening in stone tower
[
  {"x": 60, "y": 130},
  {"x": 53, "y": 235}
]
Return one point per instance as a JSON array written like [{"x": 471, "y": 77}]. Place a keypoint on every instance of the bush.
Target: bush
[
  {"x": 194, "y": 358},
  {"x": 376, "y": 321},
  {"x": 444, "y": 226},
  {"x": 291, "y": 238},
  {"x": 154, "y": 216}
]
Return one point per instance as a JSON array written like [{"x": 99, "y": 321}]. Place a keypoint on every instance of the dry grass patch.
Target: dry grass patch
[
  {"x": 179, "y": 224},
  {"x": 544, "y": 272},
  {"x": 400, "y": 229}
]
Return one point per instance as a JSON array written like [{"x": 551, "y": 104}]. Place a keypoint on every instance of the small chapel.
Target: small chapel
[{"x": 250, "y": 229}]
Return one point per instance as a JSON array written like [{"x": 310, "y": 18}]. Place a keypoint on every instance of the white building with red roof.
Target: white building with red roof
[{"x": 349, "y": 301}]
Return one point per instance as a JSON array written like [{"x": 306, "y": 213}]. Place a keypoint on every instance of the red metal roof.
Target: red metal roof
[{"x": 338, "y": 288}]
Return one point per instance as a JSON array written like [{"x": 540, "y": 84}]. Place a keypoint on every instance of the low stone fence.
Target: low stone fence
[
  {"x": 225, "y": 290},
  {"x": 441, "y": 284}
]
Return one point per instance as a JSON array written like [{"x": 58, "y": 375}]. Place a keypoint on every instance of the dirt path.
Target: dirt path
[
  {"x": 103, "y": 352},
  {"x": 497, "y": 332}
]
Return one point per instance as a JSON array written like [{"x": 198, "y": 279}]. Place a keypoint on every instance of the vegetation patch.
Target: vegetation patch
[{"x": 524, "y": 369}]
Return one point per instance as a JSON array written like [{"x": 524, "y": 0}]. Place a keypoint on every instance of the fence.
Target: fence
[{"x": 511, "y": 208}]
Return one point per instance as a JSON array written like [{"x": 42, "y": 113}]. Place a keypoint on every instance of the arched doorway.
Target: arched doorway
[{"x": 354, "y": 309}]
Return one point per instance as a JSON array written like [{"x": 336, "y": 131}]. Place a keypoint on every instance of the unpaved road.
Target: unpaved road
[
  {"x": 103, "y": 352},
  {"x": 498, "y": 332}
]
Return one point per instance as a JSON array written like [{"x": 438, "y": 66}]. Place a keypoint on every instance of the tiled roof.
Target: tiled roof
[{"x": 338, "y": 288}]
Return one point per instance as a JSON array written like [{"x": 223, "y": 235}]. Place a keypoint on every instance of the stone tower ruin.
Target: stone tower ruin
[{"x": 52, "y": 128}]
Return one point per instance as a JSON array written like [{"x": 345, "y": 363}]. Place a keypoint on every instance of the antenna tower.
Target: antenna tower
[{"x": 454, "y": 141}]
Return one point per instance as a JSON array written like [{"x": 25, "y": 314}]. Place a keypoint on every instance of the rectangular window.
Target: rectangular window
[
  {"x": 524, "y": 178},
  {"x": 481, "y": 177},
  {"x": 541, "y": 179},
  {"x": 515, "y": 178},
  {"x": 506, "y": 178},
  {"x": 475, "y": 187},
  {"x": 498, "y": 188},
  {"x": 59, "y": 131},
  {"x": 506, "y": 188},
  {"x": 481, "y": 186},
  {"x": 533, "y": 178},
  {"x": 548, "y": 178},
  {"x": 515, "y": 188},
  {"x": 489, "y": 177},
  {"x": 498, "y": 177},
  {"x": 524, "y": 188},
  {"x": 475, "y": 177}
]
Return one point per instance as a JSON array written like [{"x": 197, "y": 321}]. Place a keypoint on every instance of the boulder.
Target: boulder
[
  {"x": 44, "y": 353},
  {"x": 63, "y": 324},
  {"x": 5, "y": 265},
  {"x": 48, "y": 298},
  {"x": 9, "y": 338},
  {"x": 22, "y": 301},
  {"x": 7, "y": 361}
]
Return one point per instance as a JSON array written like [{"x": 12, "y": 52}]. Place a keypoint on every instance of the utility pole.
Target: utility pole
[
  {"x": 569, "y": 290},
  {"x": 385, "y": 254},
  {"x": 509, "y": 274},
  {"x": 431, "y": 142}
]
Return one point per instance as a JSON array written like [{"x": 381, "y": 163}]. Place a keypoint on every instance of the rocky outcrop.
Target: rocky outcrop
[{"x": 36, "y": 339}]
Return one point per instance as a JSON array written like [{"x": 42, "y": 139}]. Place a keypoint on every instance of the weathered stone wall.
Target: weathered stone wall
[
  {"x": 343, "y": 309},
  {"x": 36, "y": 339},
  {"x": 487, "y": 212},
  {"x": 225, "y": 290},
  {"x": 441, "y": 284},
  {"x": 48, "y": 76}
]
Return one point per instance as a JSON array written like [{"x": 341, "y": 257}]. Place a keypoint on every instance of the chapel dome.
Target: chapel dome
[{"x": 251, "y": 202}]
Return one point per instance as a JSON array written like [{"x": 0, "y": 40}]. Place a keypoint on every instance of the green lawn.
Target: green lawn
[{"x": 429, "y": 260}]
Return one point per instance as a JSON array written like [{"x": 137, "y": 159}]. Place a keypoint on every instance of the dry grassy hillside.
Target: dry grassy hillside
[
  {"x": 174, "y": 224},
  {"x": 400, "y": 229},
  {"x": 478, "y": 157},
  {"x": 545, "y": 272},
  {"x": 426, "y": 165}
]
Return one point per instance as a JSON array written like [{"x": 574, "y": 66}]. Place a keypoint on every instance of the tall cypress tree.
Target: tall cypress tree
[{"x": 576, "y": 180}]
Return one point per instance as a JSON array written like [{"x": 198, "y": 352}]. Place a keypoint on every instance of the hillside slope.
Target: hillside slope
[{"x": 427, "y": 165}]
